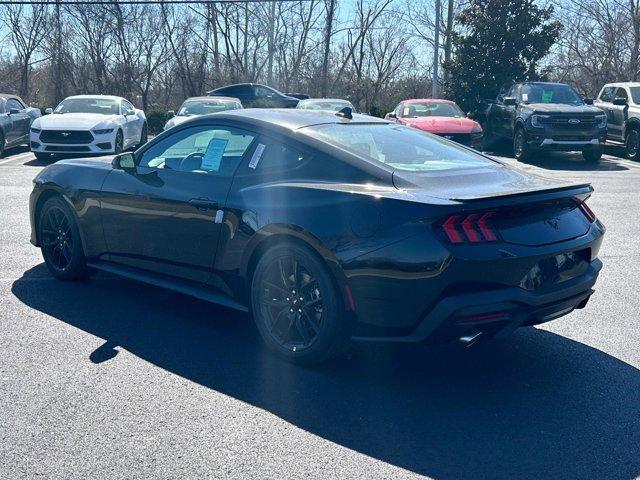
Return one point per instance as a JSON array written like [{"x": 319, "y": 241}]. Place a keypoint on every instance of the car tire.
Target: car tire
[
  {"x": 296, "y": 305},
  {"x": 42, "y": 156},
  {"x": 521, "y": 151},
  {"x": 144, "y": 136},
  {"x": 119, "y": 142},
  {"x": 60, "y": 241},
  {"x": 592, "y": 155},
  {"x": 632, "y": 143}
]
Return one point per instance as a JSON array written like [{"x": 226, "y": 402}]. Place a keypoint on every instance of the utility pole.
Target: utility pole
[
  {"x": 436, "y": 52},
  {"x": 447, "y": 40}
]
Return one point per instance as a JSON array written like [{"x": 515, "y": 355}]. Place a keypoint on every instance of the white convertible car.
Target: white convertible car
[{"x": 88, "y": 124}]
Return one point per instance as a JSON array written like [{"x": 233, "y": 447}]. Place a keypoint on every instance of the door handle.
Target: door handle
[{"x": 203, "y": 203}]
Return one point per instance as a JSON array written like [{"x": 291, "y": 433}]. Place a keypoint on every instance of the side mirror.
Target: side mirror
[
  {"x": 48, "y": 111},
  {"x": 469, "y": 114},
  {"x": 129, "y": 112},
  {"x": 391, "y": 116},
  {"x": 170, "y": 114},
  {"x": 588, "y": 101},
  {"x": 13, "y": 111},
  {"x": 509, "y": 101},
  {"x": 620, "y": 101},
  {"x": 123, "y": 161}
]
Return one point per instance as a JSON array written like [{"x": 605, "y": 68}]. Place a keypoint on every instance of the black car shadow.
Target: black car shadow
[
  {"x": 535, "y": 406},
  {"x": 570, "y": 161}
]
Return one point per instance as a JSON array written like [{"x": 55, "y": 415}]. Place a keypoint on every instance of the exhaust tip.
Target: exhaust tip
[{"x": 469, "y": 339}]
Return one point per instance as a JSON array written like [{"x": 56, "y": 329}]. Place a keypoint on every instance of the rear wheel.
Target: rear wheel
[
  {"x": 632, "y": 143},
  {"x": 521, "y": 151},
  {"x": 296, "y": 306},
  {"x": 60, "y": 241},
  {"x": 592, "y": 154}
]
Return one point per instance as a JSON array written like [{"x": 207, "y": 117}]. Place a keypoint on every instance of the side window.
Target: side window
[
  {"x": 607, "y": 94},
  {"x": 398, "y": 110},
  {"x": 622, "y": 93},
  {"x": 503, "y": 92},
  {"x": 126, "y": 106},
  {"x": 208, "y": 149},
  {"x": 13, "y": 103},
  {"x": 268, "y": 157}
]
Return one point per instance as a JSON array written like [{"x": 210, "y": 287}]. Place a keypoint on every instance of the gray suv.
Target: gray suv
[{"x": 621, "y": 103}]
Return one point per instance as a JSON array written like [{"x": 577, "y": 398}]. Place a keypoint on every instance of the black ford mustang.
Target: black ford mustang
[{"x": 326, "y": 227}]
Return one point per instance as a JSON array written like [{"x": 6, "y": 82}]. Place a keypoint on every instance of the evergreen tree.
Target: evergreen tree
[{"x": 498, "y": 41}]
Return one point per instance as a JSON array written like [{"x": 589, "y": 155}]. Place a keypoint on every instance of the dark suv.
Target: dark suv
[
  {"x": 256, "y": 95},
  {"x": 546, "y": 116}
]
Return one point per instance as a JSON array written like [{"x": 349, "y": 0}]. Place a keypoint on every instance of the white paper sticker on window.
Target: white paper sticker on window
[
  {"x": 525, "y": 97},
  {"x": 257, "y": 155},
  {"x": 213, "y": 155}
]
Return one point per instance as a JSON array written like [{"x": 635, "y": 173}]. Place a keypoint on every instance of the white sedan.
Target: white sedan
[{"x": 88, "y": 124}]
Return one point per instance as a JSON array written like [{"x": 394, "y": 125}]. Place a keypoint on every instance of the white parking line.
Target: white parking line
[
  {"x": 20, "y": 156},
  {"x": 627, "y": 163}
]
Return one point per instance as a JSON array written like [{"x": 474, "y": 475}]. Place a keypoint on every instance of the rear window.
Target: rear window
[{"x": 399, "y": 147}]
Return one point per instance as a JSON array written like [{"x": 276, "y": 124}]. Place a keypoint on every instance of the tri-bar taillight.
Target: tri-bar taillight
[
  {"x": 470, "y": 228},
  {"x": 584, "y": 208}
]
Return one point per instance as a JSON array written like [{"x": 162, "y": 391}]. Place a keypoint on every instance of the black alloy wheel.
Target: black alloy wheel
[
  {"x": 520, "y": 149},
  {"x": 60, "y": 241},
  {"x": 632, "y": 143},
  {"x": 295, "y": 305},
  {"x": 119, "y": 143}
]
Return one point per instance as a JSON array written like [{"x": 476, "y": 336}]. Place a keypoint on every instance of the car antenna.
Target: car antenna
[{"x": 346, "y": 112}]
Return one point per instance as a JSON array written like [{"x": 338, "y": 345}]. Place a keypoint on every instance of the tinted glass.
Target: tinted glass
[
  {"x": 12, "y": 103},
  {"x": 88, "y": 105},
  {"x": 333, "y": 106},
  {"x": 276, "y": 156},
  {"x": 621, "y": 93},
  {"x": 607, "y": 94},
  {"x": 635, "y": 94},
  {"x": 126, "y": 106},
  {"x": 431, "y": 109},
  {"x": 549, "y": 93},
  {"x": 204, "y": 149},
  {"x": 203, "y": 107},
  {"x": 399, "y": 147}
]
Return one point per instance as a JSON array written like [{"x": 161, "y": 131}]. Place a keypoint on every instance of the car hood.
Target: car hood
[
  {"x": 75, "y": 121},
  {"x": 177, "y": 120},
  {"x": 467, "y": 185},
  {"x": 442, "y": 124},
  {"x": 561, "y": 108}
]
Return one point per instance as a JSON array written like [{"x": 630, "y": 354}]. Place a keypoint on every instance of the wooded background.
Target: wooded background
[{"x": 372, "y": 52}]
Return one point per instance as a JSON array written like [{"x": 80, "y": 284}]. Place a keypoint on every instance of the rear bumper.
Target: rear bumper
[{"x": 498, "y": 312}]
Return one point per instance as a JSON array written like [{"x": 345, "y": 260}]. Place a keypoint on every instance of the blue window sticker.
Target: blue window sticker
[{"x": 213, "y": 154}]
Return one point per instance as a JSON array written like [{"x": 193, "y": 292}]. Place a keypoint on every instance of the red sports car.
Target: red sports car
[{"x": 440, "y": 117}]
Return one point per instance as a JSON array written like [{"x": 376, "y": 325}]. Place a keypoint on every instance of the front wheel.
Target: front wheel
[
  {"x": 60, "y": 241},
  {"x": 592, "y": 154},
  {"x": 117, "y": 148},
  {"x": 296, "y": 305},
  {"x": 632, "y": 144},
  {"x": 521, "y": 151}
]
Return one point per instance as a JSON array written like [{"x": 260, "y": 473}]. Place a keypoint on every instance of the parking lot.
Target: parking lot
[{"x": 114, "y": 379}]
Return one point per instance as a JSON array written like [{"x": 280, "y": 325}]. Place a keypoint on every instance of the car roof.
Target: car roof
[
  {"x": 208, "y": 98},
  {"x": 622, "y": 84},
  {"x": 289, "y": 119},
  {"x": 106, "y": 97},
  {"x": 428, "y": 100},
  {"x": 309, "y": 100}
]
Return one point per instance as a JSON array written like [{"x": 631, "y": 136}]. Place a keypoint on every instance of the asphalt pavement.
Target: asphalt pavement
[{"x": 113, "y": 379}]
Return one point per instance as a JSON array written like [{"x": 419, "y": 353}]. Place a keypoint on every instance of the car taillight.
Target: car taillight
[
  {"x": 470, "y": 228},
  {"x": 584, "y": 208}
]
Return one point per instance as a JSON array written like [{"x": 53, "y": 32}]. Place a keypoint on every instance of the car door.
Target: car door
[
  {"x": 605, "y": 103},
  {"x": 165, "y": 215},
  {"x": 20, "y": 122},
  {"x": 496, "y": 116},
  {"x": 618, "y": 114},
  {"x": 132, "y": 124}
]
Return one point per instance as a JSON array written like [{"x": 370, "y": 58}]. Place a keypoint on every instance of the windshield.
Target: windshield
[
  {"x": 102, "y": 106},
  {"x": 334, "y": 105},
  {"x": 549, "y": 93},
  {"x": 197, "y": 107},
  {"x": 635, "y": 94},
  {"x": 432, "y": 109},
  {"x": 400, "y": 147}
]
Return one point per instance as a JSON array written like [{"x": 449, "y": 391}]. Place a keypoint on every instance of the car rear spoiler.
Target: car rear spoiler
[{"x": 579, "y": 189}]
